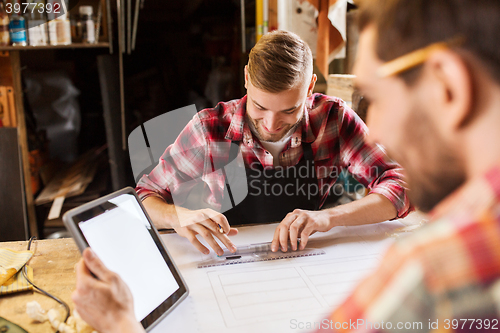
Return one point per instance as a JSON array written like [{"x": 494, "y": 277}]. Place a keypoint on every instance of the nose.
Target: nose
[{"x": 272, "y": 121}]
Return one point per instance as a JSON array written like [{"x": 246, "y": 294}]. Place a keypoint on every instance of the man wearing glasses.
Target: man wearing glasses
[{"x": 431, "y": 71}]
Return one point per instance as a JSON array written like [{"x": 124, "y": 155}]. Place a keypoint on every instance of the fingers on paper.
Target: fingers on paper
[
  {"x": 295, "y": 230},
  {"x": 280, "y": 238},
  {"x": 226, "y": 241},
  {"x": 295, "y": 225},
  {"x": 207, "y": 234},
  {"x": 191, "y": 236},
  {"x": 208, "y": 231}
]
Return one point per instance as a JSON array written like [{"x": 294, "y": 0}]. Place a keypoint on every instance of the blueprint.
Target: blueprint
[{"x": 277, "y": 295}]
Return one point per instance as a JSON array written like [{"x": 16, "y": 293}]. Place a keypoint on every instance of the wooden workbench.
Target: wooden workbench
[{"x": 53, "y": 270}]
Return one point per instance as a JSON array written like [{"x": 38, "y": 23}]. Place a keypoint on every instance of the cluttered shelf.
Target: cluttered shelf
[{"x": 45, "y": 47}]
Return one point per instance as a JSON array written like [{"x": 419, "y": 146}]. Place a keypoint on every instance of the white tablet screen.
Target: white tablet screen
[{"x": 121, "y": 239}]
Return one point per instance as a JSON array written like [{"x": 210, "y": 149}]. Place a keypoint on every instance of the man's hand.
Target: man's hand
[
  {"x": 189, "y": 223},
  {"x": 104, "y": 303},
  {"x": 205, "y": 222},
  {"x": 300, "y": 224}
]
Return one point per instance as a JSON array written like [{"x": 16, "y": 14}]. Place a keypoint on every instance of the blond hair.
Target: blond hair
[{"x": 279, "y": 61}]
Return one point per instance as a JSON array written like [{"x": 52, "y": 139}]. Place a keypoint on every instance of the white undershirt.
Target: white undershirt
[{"x": 275, "y": 148}]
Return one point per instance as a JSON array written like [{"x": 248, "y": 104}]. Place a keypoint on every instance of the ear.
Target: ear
[
  {"x": 453, "y": 92},
  {"x": 246, "y": 76},
  {"x": 310, "y": 89}
]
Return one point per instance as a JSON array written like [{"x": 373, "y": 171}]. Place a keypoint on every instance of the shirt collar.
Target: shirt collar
[
  {"x": 239, "y": 131},
  {"x": 304, "y": 131},
  {"x": 236, "y": 127}
]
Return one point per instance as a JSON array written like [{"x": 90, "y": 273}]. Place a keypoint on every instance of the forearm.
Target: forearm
[
  {"x": 373, "y": 208},
  {"x": 163, "y": 214}
]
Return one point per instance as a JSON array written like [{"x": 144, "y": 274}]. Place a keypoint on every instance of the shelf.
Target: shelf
[{"x": 55, "y": 47}]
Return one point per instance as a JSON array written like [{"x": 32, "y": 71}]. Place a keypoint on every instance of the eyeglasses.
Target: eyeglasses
[{"x": 415, "y": 58}]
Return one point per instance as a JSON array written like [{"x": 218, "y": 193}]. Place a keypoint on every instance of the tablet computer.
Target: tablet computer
[{"x": 120, "y": 232}]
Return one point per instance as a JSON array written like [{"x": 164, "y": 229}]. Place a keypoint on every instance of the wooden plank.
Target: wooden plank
[
  {"x": 5, "y": 69},
  {"x": 74, "y": 180},
  {"x": 13, "y": 219},
  {"x": 352, "y": 40},
  {"x": 11, "y": 107},
  {"x": 53, "y": 271},
  {"x": 23, "y": 140},
  {"x": 340, "y": 85},
  {"x": 4, "y": 107},
  {"x": 112, "y": 103},
  {"x": 273, "y": 15}
]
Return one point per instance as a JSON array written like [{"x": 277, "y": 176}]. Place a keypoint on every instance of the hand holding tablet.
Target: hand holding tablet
[
  {"x": 102, "y": 298},
  {"x": 120, "y": 233}
]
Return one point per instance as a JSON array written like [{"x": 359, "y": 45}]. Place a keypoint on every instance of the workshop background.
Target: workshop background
[{"x": 69, "y": 101}]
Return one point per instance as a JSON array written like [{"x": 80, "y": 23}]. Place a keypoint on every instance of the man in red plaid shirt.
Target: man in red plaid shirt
[{"x": 293, "y": 145}]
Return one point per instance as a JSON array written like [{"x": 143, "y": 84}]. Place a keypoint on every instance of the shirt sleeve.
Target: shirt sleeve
[
  {"x": 369, "y": 164},
  {"x": 182, "y": 163}
]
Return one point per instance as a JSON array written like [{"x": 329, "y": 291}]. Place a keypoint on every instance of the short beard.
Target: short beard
[
  {"x": 256, "y": 130},
  {"x": 443, "y": 173},
  {"x": 430, "y": 187}
]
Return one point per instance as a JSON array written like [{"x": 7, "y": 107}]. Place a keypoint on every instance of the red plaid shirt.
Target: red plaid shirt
[
  {"x": 337, "y": 137},
  {"x": 445, "y": 277}
]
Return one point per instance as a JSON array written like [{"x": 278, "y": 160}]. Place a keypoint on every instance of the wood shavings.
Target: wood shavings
[
  {"x": 71, "y": 321},
  {"x": 35, "y": 312},
  {"x": 74, "y": 324},
  {"x": 81, "y": 325},
  {"x": 63, "y": 328},
  {"x": 54, "y": 318}
]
